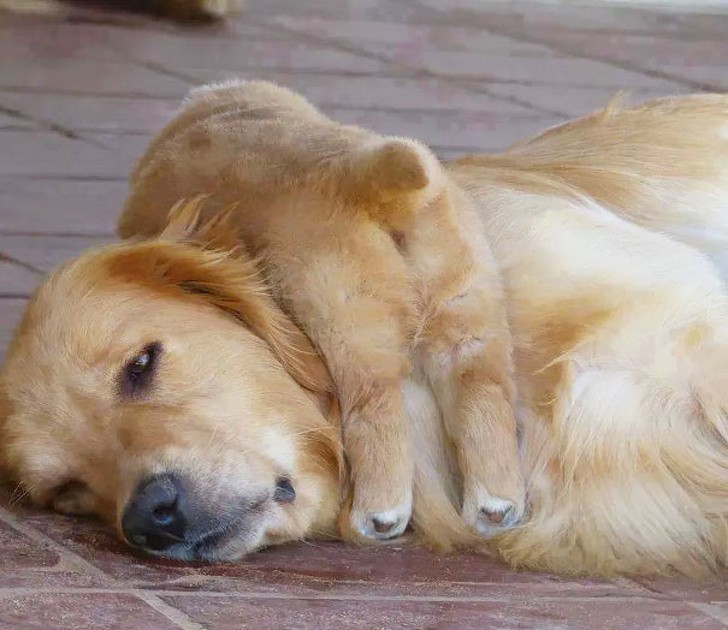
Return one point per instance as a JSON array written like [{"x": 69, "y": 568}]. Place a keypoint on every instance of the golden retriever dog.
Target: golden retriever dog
[{"x": 337, "y": 335}]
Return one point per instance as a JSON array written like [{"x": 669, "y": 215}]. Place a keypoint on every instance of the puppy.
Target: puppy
[
  {"x": 168, "y": 385},
  {"x": 356, "y": 233}
]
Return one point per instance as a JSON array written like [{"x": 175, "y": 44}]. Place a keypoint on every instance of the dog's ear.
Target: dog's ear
[{"x": 206, "y": 261}]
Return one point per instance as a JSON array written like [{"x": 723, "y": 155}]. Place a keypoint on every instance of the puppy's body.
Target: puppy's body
[
  {"x": 609, "y": 237},
  {"x": 358, "y": 234}
]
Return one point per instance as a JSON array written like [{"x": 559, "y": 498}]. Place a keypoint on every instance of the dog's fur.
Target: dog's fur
[{"x": 609, "y": 237}]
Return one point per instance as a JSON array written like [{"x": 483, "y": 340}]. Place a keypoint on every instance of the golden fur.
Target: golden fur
[{"x": 604, "y": 240}]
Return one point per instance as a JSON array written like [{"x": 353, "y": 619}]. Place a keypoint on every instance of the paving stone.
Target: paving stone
[
  {"x": 28, "y": 563},
  {"x": 377, "y": 10},
  {"x": 709, "y": 589},
  {"x": 88, "y": 77},
  {"x": 370, "y": 35},
  {"x": 314, "y": 568},
  {"x": 79, "y": 611},
  {"x": 96, "y": 113},
  {"x": 373, "y": 93},
  {"x": 468, "y": 131},
  {"x": 10, "y": 311},
  {"x": 43, "y": 153},
  {"x": 46, "y": 252},
  {"x": 13, "y": 122},
  {"x": 49, "y": 206},
  {"x": 228, "y": 612},
  {"x": 51, "y": 41},
  {"x": 175, "y": 52},
  {"x": 145, "y": 116},
  {"x": 16, "y": 280},
  {"x": 559, "y": 17},
  {"x": 577, "y": 101}
]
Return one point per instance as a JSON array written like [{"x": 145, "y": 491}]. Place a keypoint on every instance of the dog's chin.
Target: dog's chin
[{"x": 223, "y": 545}]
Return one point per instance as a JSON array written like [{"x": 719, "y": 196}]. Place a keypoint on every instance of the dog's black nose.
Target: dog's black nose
[{"x": 154, "y": 518}]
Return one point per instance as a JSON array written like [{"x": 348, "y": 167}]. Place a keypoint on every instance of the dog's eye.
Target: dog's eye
[
  {"x": 139, "y": 371},
  {"x": 285, "y": 492}
]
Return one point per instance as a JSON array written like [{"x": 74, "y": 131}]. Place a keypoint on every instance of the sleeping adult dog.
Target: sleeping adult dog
[{"x": 170, "y": 383}]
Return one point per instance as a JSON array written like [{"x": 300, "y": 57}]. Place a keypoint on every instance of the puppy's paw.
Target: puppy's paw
[
  {"x": 489, "y": 515},
  {"x": 381, "y": 524}
]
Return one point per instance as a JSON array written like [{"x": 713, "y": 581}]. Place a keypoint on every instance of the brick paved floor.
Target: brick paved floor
[{"x": 80, "y": 94}]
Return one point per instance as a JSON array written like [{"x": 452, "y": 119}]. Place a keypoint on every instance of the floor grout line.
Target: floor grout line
[
  {"x": 160, "y": 592},
  {"x": 718, "y": 613},
  {"x": 416, "y": 71},
  {"x": 175, "y": 615},
  {"x": 576, "y": 53},
  {"x": 73, "y": 559},
  {"x": 83, "y": 566}
]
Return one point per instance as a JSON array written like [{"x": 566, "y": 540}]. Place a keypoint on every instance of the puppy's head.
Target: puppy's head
[{"x": 157, "y": 385}]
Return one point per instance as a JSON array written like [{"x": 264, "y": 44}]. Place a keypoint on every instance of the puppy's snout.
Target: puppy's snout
[{"x": 155, "y": 518}]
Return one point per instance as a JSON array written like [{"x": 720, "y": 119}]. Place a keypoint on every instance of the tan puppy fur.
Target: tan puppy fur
[
  {"x": 357, "y": 233},
  {"x": 601, "y": 230}
]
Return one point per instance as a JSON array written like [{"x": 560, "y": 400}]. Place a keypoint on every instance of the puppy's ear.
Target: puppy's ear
[
  {"x": 393, "y": 166},
  {"x": 392, "y": 178},
  {"x": 206, "y": 261}
]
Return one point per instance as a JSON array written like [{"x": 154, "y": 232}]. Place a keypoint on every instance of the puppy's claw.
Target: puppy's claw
[
  {"x": 382, "y": 525},
  {"x": 496, "y": 515}
]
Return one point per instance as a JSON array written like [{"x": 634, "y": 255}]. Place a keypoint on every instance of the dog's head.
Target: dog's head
[{"x": 157, "y": 384}]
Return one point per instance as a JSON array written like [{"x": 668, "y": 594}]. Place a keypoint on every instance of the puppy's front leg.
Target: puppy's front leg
[
  {"x": 465, "y": 345},
  {"x": 469, "y": 367},
  {"x": 351, "y": 293}
]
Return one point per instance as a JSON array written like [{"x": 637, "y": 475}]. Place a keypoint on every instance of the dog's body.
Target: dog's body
[{"x": 604, "y": 239}]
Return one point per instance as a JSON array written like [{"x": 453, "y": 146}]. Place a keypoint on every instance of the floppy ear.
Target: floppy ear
[
  {"x": 385, "y": 174},
  {"x": 208, "y": 261},
  {"x": 396, "y": 165}
]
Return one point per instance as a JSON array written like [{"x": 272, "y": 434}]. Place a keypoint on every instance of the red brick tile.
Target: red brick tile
[
  {"x": 541, "y": 17},
  {"x": 31, "y": 153},
  {"x": 88, "y": 77},
  {"x": 390, "y": 93},
  {"x": 575, "y": 101},
  {"x": 377, "y": 10},
  {"x": 554, "y": 71},
  {"x": 96, "y": 113},
  {"x": 13, "y": 122},
  {"x": 47, "y": 252},
  {"x": 229, "y": 612},
  {"x": 257, "y": 53},
  {"x": 706, "y": 590},
  {"x": 79, "y": 611},
  {"x": 22, "y": 554},
  {"x": 469, "y": 131},
  {"x": 50, "y": 41},
  {"x": 314, "y": 568},
  {"x": 16, "y": 280},
  {"x": 50, "y": 206},
  {"x": 371, "y": 35},
  {"x": 28, "y": 563},
  {"x": 10, "y": 311}
]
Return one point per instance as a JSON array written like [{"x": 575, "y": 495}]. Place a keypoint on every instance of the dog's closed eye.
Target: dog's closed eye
[
  {"x": 138, "y": 373},
  {"x": 73, "y": 497}
]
